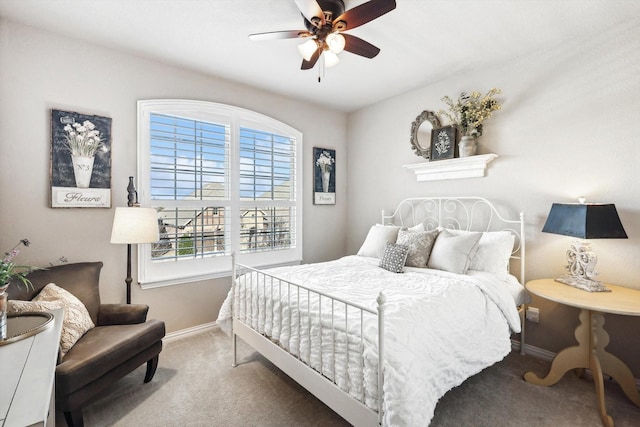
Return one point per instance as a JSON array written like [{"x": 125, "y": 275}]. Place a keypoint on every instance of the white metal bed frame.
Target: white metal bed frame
[{"x": 461, "y": 213}]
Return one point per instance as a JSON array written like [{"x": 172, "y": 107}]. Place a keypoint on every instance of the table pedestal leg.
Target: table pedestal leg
[
  {"x": 598, "y": 381},
  {"x": 590, "y": 353},
  {"x": 569, "y": 358}
]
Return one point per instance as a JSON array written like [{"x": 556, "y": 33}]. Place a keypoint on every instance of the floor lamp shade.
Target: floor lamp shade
[{"x": 135, "y": 225}]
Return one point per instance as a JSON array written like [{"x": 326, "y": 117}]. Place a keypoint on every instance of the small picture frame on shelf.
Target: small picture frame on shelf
[{"x": 444, "y": 143}]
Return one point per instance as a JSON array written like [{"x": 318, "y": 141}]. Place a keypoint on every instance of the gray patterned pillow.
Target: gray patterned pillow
[
  {"x": 419, "y": 244},
  {"x": 394, "y": 257}
]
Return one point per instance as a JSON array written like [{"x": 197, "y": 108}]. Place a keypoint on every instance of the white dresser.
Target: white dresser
[{"x": 27, "y": 373}]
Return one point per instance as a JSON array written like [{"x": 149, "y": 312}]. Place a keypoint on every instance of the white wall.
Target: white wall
[
  {"x": 40, "y": 71},
  {"x": 568, "y": 128}
]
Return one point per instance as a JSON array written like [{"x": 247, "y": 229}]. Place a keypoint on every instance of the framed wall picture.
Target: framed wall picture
[
  {"x": 80, "y": 172},
  {"x": 443, "y": 143},
  {"x": 324, "y": 177}
]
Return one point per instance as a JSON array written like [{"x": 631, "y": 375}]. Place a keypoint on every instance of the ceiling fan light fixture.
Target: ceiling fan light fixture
[
  {"x": 330, "y": 58},
  {"x": 336, "y": 42},
  {"x": 325, "y": 22},
  {"x": 307, "y": 49}
]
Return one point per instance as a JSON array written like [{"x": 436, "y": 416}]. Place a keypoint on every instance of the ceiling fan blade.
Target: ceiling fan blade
[
  {"x": 274, "y": 35},
  {"x": 364, "y": 13},
  {"x": 312, "y": 11},
  {"x": 360, "y": 47},
  {"x": 307, "y": 65}
]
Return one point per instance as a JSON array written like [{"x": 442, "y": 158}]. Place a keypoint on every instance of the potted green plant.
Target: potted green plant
[{"x": 8, "y": 271}]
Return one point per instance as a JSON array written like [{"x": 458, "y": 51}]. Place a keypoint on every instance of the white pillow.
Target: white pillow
[
  {"x": 494, "y": 252},
  {"x": 453, "y": 252},
  {"x": 378, "y": 235}
]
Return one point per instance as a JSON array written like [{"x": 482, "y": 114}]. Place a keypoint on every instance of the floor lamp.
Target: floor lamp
[{"x": 133, "y": 225}]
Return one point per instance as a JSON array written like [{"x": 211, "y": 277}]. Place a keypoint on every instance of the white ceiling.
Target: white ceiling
[{"x": 421, "y": 41}]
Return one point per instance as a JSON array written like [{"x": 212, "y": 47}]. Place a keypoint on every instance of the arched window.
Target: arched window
[{"x": 223, "y": 179}]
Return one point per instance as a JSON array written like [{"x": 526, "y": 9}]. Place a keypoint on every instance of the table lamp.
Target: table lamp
[
  {"x": 133, "y": 225},
  {"x": 584, "y": 221}
]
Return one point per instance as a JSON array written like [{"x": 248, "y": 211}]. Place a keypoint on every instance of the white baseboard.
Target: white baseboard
[
  {"x": 534, "y": 351},
  {"x": 183, "y": 333}
]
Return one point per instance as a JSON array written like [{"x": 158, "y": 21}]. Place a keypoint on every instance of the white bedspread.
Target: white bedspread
[{"x": 440, "y": 328}]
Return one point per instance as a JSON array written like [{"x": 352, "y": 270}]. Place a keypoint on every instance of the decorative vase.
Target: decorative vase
[
  {"x": 3, "y": 311},
  {"x": 468, "y": 146},
  {"x": 325, "y": 181},
  {"x": 82, "y": 169}
]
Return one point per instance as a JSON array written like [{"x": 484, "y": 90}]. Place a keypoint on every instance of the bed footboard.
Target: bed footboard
[{"x": 323, "y": 342}]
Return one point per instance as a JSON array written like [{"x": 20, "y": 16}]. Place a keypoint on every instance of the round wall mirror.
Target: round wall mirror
[{"x": 421, "y": 133}]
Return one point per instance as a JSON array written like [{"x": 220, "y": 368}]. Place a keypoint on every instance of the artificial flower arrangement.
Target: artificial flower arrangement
[
  {"x": 9, "y": 270},
  {"x": 469, "y": 111},
  {"x": 83, "y": 139}
]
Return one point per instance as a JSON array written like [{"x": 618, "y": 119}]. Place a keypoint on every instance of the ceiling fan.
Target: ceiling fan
[{"x": 326, "y": 21}]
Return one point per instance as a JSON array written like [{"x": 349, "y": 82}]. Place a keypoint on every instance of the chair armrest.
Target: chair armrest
[{"x": 122, "y": 314}]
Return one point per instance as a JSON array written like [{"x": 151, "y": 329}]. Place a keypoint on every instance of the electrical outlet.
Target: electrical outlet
[{"x": 533, "y": 314}]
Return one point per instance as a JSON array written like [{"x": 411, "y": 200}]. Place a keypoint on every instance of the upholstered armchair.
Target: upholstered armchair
[{"x": 121, "y": 341}]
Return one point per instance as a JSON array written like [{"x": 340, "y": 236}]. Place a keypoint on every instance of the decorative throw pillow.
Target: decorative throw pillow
[
  {"x": 452, "y": 252},
  {"x": 494, "y": 252},
  {"x": 419, "y": 244},
  {"x": 394, "y": 257},
  {"x": 378, "y": 235},
  {"x": 76, "y": 321}
]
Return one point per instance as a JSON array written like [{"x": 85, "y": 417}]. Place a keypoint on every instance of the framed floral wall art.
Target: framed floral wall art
[
  {"x": 324, "y": 176},
  {"x": 443, "y": 143},
  {"x": 80, "y": 172}
]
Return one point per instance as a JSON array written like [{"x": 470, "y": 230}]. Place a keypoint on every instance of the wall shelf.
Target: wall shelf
[{"x": 462, "y": 167}]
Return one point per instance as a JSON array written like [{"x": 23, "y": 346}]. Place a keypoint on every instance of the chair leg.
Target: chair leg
[
  {"x": 74, "y": 418},
  {"x": 152, "y": 365}
]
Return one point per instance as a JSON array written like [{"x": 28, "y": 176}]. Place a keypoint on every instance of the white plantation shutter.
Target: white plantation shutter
[
  {"x": 223, "y": 180},
  {"x": 267, "y": 199},
  {"x": 189, "y": 165},
  {"x": 186, "y": 156}
]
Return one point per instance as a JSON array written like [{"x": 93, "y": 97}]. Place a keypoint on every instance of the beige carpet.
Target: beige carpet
[{"x": 195, "y": 385}]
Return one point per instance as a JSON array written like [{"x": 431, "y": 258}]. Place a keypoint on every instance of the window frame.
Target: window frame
[{"x": 162, "y": 273}]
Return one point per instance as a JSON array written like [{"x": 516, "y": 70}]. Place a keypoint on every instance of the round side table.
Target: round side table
[{"x": 592, "y": 338}]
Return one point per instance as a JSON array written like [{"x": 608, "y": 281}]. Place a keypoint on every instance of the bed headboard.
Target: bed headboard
[{"x": 460, "y": 213}]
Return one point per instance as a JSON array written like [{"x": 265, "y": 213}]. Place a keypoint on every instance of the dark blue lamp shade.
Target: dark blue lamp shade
[{"x": 585, "y": 221}]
